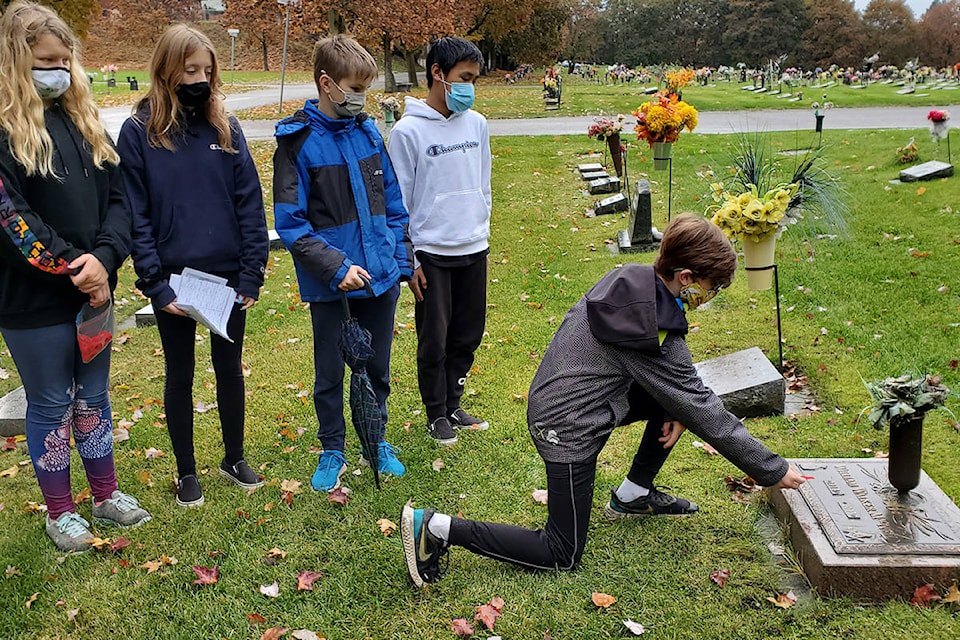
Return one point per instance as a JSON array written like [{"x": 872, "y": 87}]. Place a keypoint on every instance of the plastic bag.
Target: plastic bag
[{"x": 94, "y": 330}]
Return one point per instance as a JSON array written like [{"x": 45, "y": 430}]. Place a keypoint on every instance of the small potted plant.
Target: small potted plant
[{"x": 902, "y": 404}]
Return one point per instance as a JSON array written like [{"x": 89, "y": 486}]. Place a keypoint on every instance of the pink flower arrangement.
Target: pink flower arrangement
[
  {"x": 938, "y": 124},
  {"x": 603, "y": 128},
  {"x": 938, "y": 115}
]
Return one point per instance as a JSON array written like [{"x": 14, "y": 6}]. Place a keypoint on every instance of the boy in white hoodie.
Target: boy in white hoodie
[{"x": 441, "y": 154}]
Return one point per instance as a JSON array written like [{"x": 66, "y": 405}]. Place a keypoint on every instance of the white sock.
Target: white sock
[
  {"x": 629, "y": 491},
  {"x": 439, "y": 525}
]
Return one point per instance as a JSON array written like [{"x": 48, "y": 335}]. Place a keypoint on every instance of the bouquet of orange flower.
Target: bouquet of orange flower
[
  {"x": 662, "y": 119},
  {"x": 680, "y": 78}
]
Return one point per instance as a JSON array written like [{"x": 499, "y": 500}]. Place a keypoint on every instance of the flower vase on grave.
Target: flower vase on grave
[
  {"x": 613, "y": 142},
  {"x": 662, "y": 152},
  {"x": 756, "y": 256},
  {"x": 903, "y": 463},
  {"x": 820, "y": 117},
  {"x": 388, "y": 117}
]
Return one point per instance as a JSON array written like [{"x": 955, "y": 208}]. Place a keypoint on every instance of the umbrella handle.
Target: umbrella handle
[{"x": 343, "y": 296}]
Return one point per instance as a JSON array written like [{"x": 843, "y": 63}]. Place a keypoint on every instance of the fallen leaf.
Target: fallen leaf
[
  {"x": 438, "y": 464},
  {"x": 270, "y": 590},
  {"x": 9, "y": 444},
  {"x": 120, "y": 543},
  {"x": 924, "y": 595},
  {"x": 953, "y": 594},
  {"x": 72, "y": 614},
  {"x": 206, "y": 575},
  {"x": 746, "y": 484},
  {"x": 540, "y": 495},
  {"x": 784, "y": 600},
  {"x": 305, "y": 580},
  {"x": 291, "y": 486},
  {"x": 497, "y": 602},
  {"x": 386, "y": 527},
  {"x": 100, "y": 543},
  {"x": 275, "y": 552},
  {"x": 152, "y": 454},
  {"x": 31, "y": 600},
  {"x": 461, "y": 627},
  {"x": 306, "y": 634},
  {"x": 256, "y": 618},
  {"x": 635, "y": 628},
  {"x": 602, "y": 600},
  {"x": 9, "y": 473},
  {"x": 151, "y": 565},
  {"x": 12, "y": 571},
  {"x": 921, "y": 191},
  {"x": 144, "y": 477},
  {"x": 720, "y": 576},
  {"x": 274, "y": 632},
  {"x": 82, "y": 496},
  {"x": 487, "y": 615},
  {"x": 338, "y": 496}
]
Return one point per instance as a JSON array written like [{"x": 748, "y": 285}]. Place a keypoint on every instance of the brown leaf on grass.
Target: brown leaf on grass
[
  {"x": 72, "y": 614},
  {"x": 288, "y": 489},
  {"x": 100, "y": 543},
  {"x": 745, "y": 484},
  {"x": 487, "y": 614},
  {"x": 82, "y": 496},
  {"x": 916, "y": 253},
  {"x": 10, "y": 473},
  {"x": 273, "y": 633},
  {"x": 9, "y": 444},
  {"x": 256, "y": 618},
  {"x": 497, "y": 603},
  {"x": 720, "y": 576},
  {"x": 276, "y": 552},
  {"x": 338, "y": 496},
  {"x": 216, "y": 553},
  {"x": 924, "y": 595},
  {"x": 386, "y": 527},
  {"x": 602, "y": 600},
  {"x": 12, "y": 571},
  {"x": 784, "y": 600},
  {"x": 953, "y": 594},
  {"x": 151, "y": 565},
  {"x": 153, "y": 454},
  {"x": 305, "y": 580},
  {"x": 144, "y": 477},
  {"x": 461, "y": 627},
  {"x": 438, "y": 464},
  {"x": 31, "y": 600},
  {"x": 306, "y": 634},
  {"x": 120, "y": 543},
  {"x": 206, "y": 575},
  {"x": 540, "y": 495}
]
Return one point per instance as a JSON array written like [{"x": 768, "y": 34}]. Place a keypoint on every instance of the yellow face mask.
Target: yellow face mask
[{"x": 693, "y": 295}]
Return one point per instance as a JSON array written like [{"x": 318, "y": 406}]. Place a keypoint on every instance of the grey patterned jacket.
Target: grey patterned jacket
[{"x": 579, "y": 393}]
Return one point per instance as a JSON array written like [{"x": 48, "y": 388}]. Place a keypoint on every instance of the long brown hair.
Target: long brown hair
[
  {"x": 177, "y": 44},
  {"x": 21, "y": 108}
]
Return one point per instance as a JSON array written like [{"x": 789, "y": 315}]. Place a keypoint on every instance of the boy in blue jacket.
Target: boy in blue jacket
[{"x": 338, "y": 209}]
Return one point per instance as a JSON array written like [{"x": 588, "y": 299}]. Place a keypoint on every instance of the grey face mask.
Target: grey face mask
[
  {"x": 51, "y": 82},
  {"x": 352, "y": 104}
]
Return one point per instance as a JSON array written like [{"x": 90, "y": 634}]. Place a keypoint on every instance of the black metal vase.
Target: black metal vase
[{"x": 906, "y": 443}]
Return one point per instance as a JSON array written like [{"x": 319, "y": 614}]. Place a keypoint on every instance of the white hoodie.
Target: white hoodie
[{"x": 443, "y": 167}]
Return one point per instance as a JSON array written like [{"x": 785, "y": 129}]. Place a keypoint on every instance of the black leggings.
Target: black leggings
[{"x": 178, "y": 337}]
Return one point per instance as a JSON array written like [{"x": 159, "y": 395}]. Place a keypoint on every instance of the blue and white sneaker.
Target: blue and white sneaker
[
  {"x": 422, "y": 550},
  {"x": 387, "y": 462},
  {"x": 330, "y": 467}
]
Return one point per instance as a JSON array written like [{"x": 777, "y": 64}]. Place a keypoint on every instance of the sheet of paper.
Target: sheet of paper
[{"x": 206, "y": 298}]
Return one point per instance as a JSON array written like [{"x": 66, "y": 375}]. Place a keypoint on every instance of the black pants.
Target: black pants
[
  {"x": 560, "y": 544},
  {"x": 450, "y": 322},
  {"x": 178, "y": 337}
]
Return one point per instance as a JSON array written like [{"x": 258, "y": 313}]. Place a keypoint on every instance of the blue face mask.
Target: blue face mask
[{"x": 460, "y": 96}]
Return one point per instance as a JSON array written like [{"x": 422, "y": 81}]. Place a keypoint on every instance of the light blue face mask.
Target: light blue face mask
[{"x": 460, "y": 96}]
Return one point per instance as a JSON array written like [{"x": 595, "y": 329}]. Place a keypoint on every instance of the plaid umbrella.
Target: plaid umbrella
[{"x": 364, "y": 408}]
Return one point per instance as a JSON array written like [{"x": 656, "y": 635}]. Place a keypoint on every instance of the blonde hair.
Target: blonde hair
[
  {"x": 339, "y": 56},
  {"x": 173, "y": 48},
  {"x": 21, "y": 108}
]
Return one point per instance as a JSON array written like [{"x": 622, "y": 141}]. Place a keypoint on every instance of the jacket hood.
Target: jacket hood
[
  {"x": 320, "y": 122},
  {"x": 419, "y": 108},
  {"x": 629, "y": 306}
]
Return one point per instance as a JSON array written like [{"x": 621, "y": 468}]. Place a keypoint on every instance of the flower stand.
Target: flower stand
[
  {"x": 758, "y": 258},
  {"x": 662, "y": 154},
  {"x": 903, "y": 465}
]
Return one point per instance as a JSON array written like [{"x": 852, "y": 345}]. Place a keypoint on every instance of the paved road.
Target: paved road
[{"x": 710, "y": 121}]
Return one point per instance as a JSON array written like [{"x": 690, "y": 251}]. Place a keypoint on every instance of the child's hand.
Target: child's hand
[
  {"x": 418, "y": 283},
  {"x": 246, "y": 302},
  {"x": 791, "y": 479},
  {"x": 90, "y": 274},
  {"x": 174, "y": 309},
  {"x": 353, "y": 280},
  {"x": 671, "y": 433},
  {"x": 100, "y": 296}
]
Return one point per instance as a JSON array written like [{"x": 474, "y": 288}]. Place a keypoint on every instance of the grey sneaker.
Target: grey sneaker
[
  {"x": 189, "y": 493},
  {"x": 241, "y": 475},
  {"x": 655, "y": 503},
  {"x": 441, "y": 431},
  {"x": 460, "y": 419},
  {"x": 120, "y": 509},
  {"x": 70, "y": 532}
]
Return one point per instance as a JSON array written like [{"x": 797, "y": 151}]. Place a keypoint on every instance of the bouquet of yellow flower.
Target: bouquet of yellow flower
[
  {"x": 748, "y": 215},
  {"x": 680, "y": 78},
  {"x": 662, "y": 119}
]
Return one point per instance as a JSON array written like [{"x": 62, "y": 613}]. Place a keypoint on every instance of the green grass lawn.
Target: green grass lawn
[{"x": 860, "y": 305}]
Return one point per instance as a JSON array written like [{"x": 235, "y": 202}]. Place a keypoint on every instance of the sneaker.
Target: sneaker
[
  {"x": 387, "y": 462},
  {"x": 330, "y": 467},
  {"x": 441, "y": 431},
  {"x": 121, "y": 510},
  {"x": 70, "y": 532},
  {"x": 460, "y": 419},
  {"x": 241, "y": 475},
  {"x": 422, "y": 549},
  {"x": 655, "y": 503},
  {"x": 189, "y": 493}
]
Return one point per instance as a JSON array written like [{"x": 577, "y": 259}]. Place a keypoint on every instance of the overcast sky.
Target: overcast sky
[{"x": 917, "y": 6}]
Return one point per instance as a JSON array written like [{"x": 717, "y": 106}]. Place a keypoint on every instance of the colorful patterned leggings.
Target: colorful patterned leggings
[{"x": 64, "y": 395}]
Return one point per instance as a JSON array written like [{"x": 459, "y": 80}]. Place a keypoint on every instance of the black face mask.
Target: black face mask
[{"x": 193, "y": 95}]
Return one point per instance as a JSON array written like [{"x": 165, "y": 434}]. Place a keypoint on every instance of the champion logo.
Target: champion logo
[
  {"x": 440, "y": 149},
  {"x": 215, "y": 147}
]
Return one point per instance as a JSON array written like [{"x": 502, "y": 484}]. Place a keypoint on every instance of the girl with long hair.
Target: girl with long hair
[
  {"x": 64, "y": 232},
  {"x": 196, "y": 201}
]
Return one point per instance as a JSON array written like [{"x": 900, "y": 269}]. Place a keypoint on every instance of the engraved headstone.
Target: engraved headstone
[
  {"x": 594, "y": 175},
  {"x": 590, "y": 167},
  {"x": 856, "y": 536},
  {"x": 927, "y": 171},
  {"x": 746, "y": 381},
  {"x": 13, "y": 413},
  {"x": 604, "y": 185},
  {"x": 612, "y": 204},
  {"x": 639, "y": 236}
]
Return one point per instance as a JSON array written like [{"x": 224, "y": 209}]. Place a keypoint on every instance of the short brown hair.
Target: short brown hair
[
  {"x": 339, "y": 56},
  {"x": 693, "y": 242}
]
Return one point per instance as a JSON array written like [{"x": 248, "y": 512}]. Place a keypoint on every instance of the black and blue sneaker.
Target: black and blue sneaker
[{"x": 422, "y": 549}]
